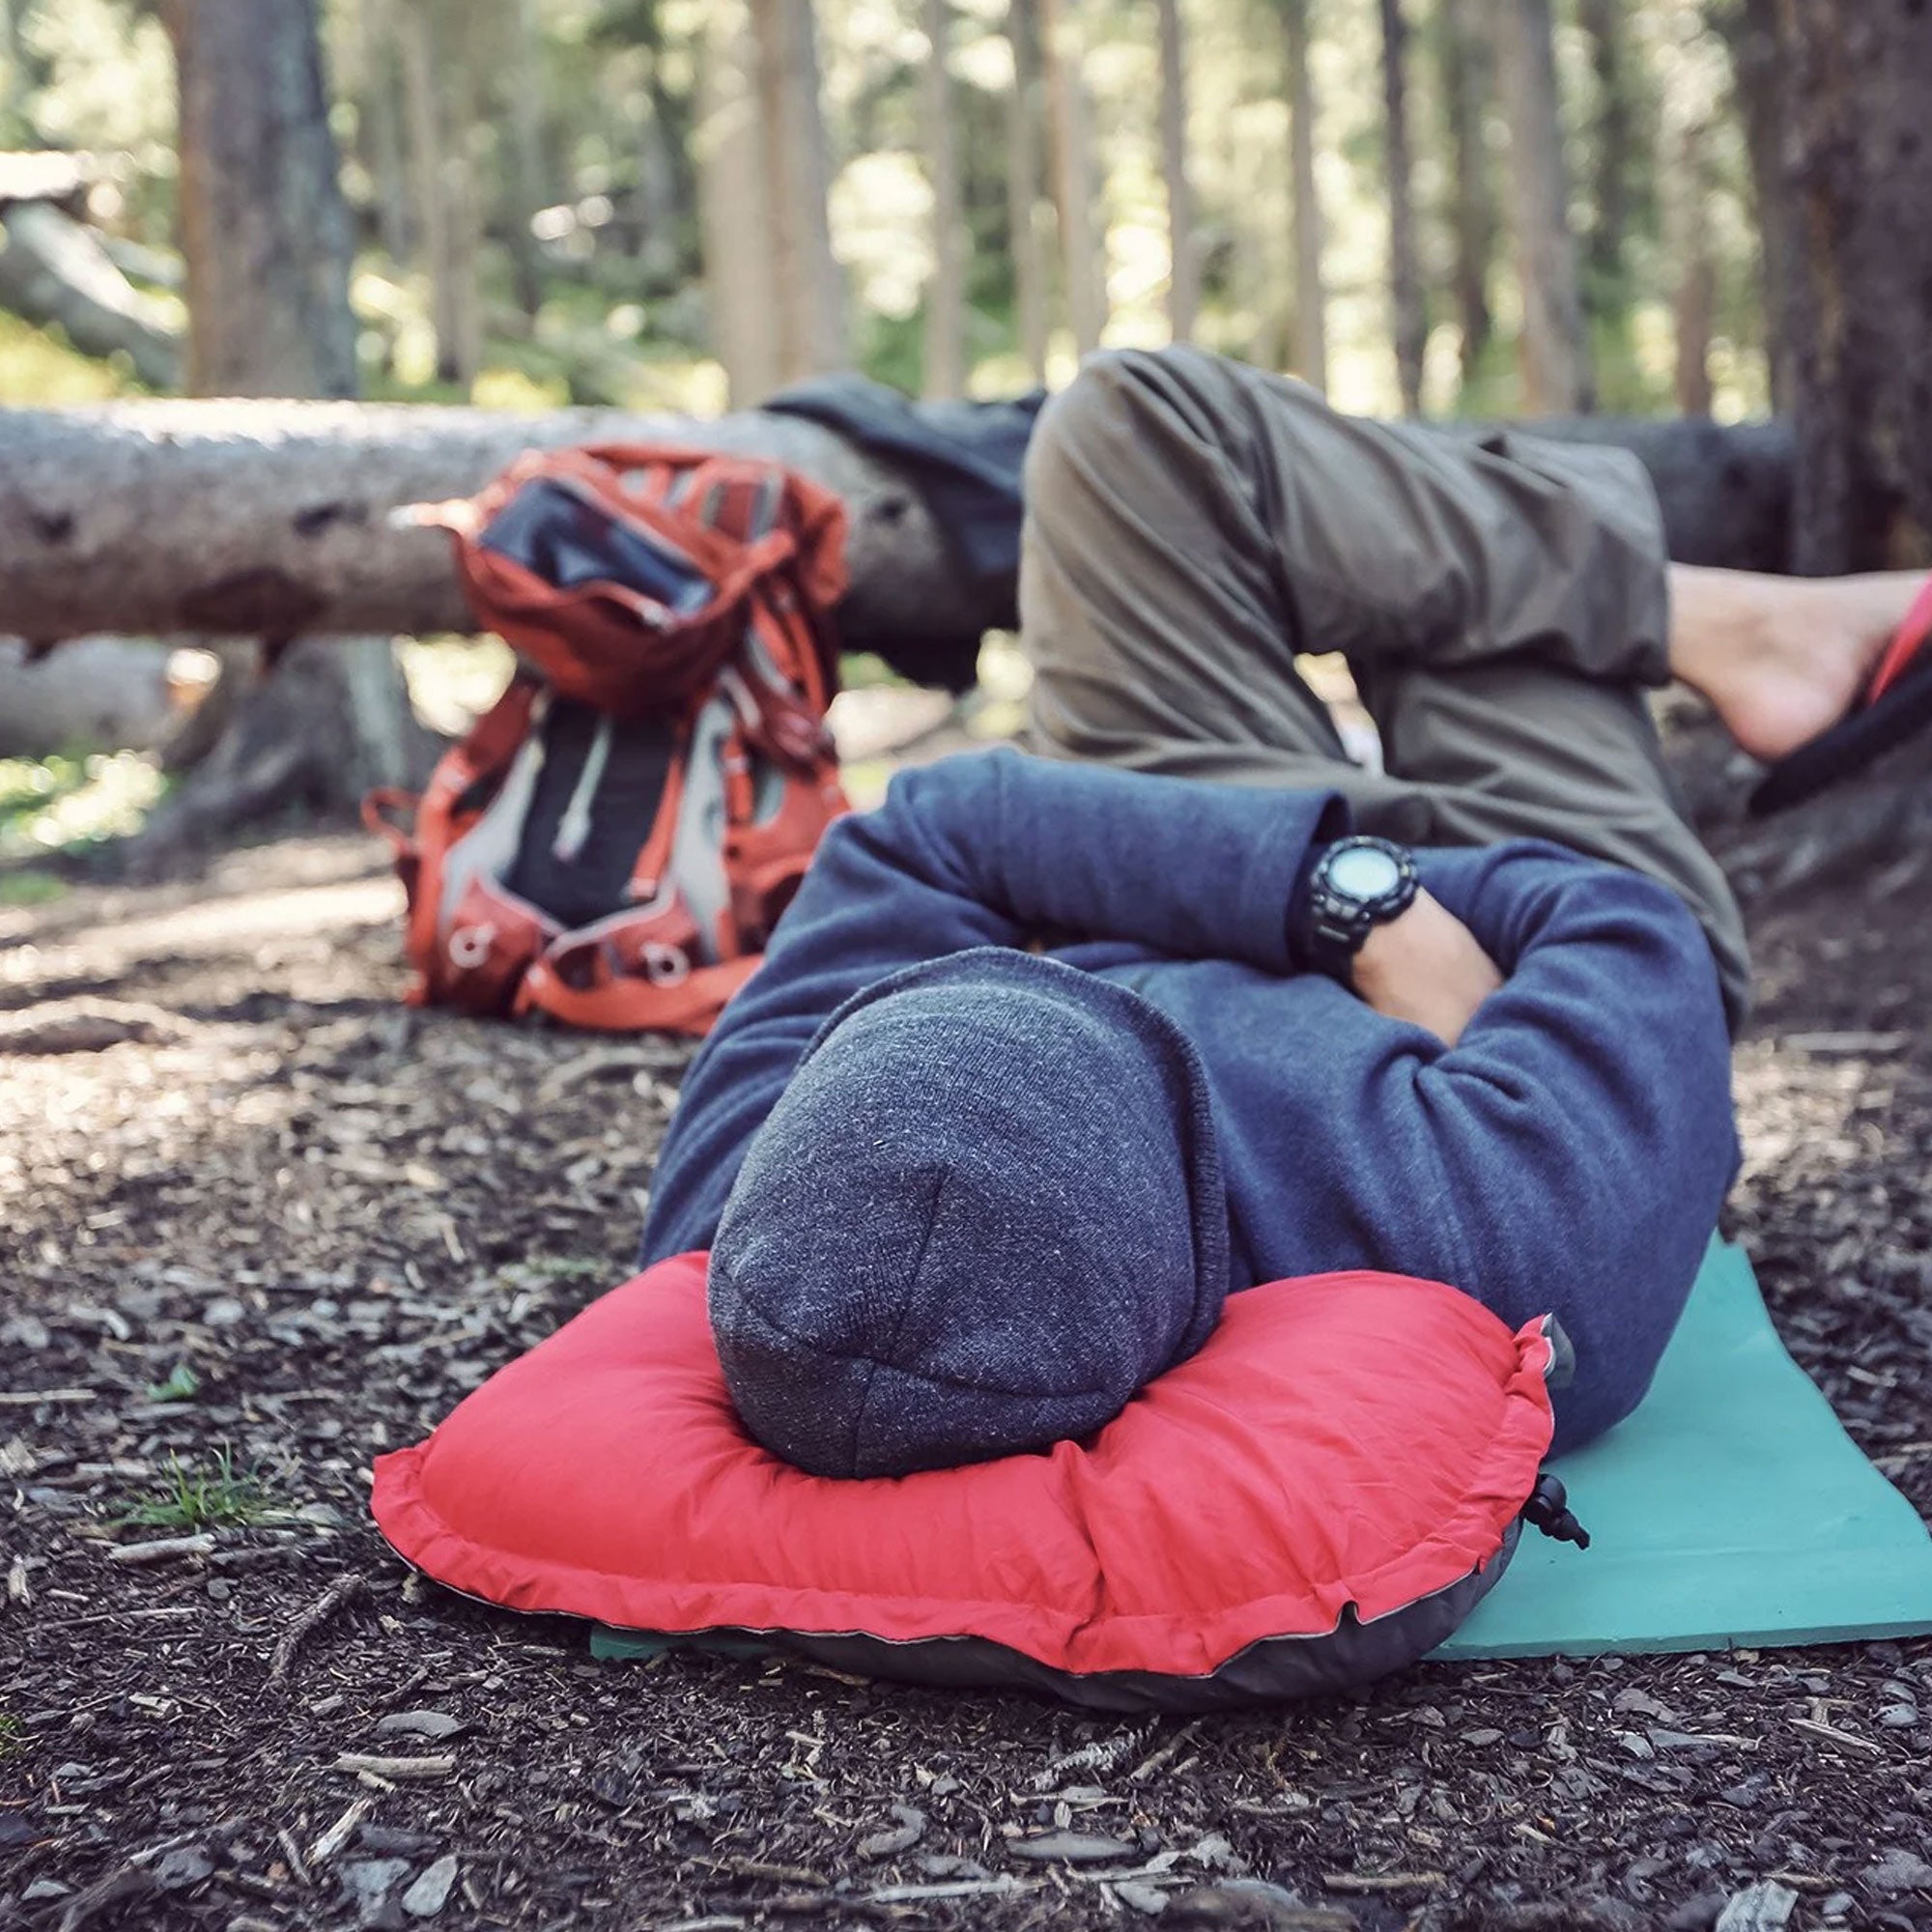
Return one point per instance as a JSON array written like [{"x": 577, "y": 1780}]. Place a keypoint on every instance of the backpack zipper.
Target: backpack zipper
[{"x": 573, "y": 829}]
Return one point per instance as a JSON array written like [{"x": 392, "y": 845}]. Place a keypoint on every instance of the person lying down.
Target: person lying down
[{"x": 1047, "y": 1059}]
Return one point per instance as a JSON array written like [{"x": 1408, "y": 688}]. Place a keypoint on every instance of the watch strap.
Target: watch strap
[{"x": 1330, "y": 928}]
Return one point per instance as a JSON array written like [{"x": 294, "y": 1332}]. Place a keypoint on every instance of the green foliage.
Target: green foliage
[
  {"x": 1631, "y": 351},
  {"x": 219, "y": 1497},
  {"x": 891, "y": 349},
  {"x": 104, "y": 82},
  {"x": 38, "y": 370},
  {"x": 26, "y": 785},
  {"x": 625, "y": 23},
  {"x": 12, "y": 1738},
  {"x": 862, "y": 671},
  {"x": 31, "y": 887},
  {"x": 74, "y": 804},
  {"x": 181, "y": 1385}
]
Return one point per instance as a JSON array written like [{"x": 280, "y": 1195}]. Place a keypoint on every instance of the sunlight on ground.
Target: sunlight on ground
[{"x": 254, "y": 925}]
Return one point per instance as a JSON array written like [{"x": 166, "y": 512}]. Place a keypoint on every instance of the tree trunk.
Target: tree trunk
[
  {"x": 777, "y": 302},
  {"x": 265, "y": 230},
  {"x": 1858, "y": 103},
  {"x": 798, "y": 177},
  {"x": 1024, "y": 121},
  {"x": 460, "y": 359},
  {"x": 1082, "y": 253},
  {"x": 432, "y": 168},
  {"x": 438, "y": 90},
  {"x": 1693, "y": 305},
  {"x": 1613, "y": 145},
  {"x": 672, "y": 119},
  {"x": 1751, "y": 28},
  {"x": 1311, "y": 300},
  {"x": 415, "y": 43},
  {"x": 1184, "y": 288},
  {"x": 53, "y": 269},
  {"x": 946, "y": 292},
  {"x": 1410, "y": 328},
  {"x": 740, "y": 273},
  {"x": 663, "y": 182},
  {"x": 382, "y": 128},
  {"x": 195, "y": 733},
  {"x": 278, "y": 518},
  {"x": 524, "y": 90},
  {"x": 1555, "y": 350},
  {"x": 1463, "y": 60},
  {"x": 1250, "y": 272},
  {"x": 266, "y": 236}
]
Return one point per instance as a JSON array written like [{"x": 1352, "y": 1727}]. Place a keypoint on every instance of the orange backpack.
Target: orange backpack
[{"x": 614, "y": 839}]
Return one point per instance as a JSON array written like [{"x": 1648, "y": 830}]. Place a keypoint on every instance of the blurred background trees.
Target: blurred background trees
[
  {"x": 1480, "y": 208},
  {"x": 1492, "y": 207}
]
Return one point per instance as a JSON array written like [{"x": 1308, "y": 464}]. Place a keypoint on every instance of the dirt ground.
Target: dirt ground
[{"x": 285, "y": 1221}]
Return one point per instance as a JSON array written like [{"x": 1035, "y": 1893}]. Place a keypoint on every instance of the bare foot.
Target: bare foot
[{"x": 1782, "y": 659}]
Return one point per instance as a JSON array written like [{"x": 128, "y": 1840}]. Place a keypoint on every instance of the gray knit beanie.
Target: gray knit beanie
[{"x": 987, "y": 1209}]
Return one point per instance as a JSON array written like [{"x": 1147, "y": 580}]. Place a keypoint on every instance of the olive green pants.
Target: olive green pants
[{"x": 1193, "y": 525}]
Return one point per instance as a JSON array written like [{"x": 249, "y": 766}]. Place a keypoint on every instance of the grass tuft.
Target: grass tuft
[{"x": 221, "y": 1497}]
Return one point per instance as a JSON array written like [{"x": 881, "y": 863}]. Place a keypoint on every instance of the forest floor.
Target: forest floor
[{"x": 282, "y": 1224}]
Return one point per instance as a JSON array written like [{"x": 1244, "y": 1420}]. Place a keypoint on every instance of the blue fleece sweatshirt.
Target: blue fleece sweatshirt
[{"x": 1566, "y": 1157}]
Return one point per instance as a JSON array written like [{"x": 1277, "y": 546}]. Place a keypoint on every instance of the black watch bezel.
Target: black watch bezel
[{"x": 1336, "y": 925}]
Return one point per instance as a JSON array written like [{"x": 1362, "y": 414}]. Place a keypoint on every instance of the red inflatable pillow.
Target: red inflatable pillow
[{"x": 1318, "y": 1497}]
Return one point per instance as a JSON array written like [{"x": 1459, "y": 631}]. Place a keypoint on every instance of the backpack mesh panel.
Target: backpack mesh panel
[{"x": 596, "y": 882}]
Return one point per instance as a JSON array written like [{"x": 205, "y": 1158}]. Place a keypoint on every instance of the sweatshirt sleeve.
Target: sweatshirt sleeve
[
  {"x": 1193, "y": 870},
  {"x": 992, "y": 848},
  {"x": 1583, "y": 1120}
]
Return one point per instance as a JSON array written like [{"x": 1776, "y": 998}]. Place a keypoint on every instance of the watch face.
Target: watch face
[{"x": 1363, "y": 874}]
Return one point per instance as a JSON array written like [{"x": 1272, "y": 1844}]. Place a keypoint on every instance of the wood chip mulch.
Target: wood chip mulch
[{"x": 255, "y": 1209}]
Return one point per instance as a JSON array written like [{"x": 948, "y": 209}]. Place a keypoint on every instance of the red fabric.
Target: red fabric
[
  {"x": 1906, "y": 644},
  {"x": 1343, "y": 1438},
  {"x": 605, "y": 643}
]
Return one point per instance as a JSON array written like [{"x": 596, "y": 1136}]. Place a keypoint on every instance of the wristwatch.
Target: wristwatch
[{"x": 1356, "y": 885}]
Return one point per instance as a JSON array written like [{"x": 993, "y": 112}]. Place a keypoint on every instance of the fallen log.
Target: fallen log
[
  {"x": 272, "y": 519},
  {"x": 54, "y": 269},
  {"x": 1726, "y": 489},
  {"x": 92, "y": 694},
  {"x": 47, "y": 174},
  {"x": 158, "y": 268}
]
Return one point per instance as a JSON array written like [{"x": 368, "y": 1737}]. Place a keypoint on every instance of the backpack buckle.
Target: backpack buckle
[{"x": 664, "y": 964}]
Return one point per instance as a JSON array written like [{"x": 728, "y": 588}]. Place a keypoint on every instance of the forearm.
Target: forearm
[{"x": 1194, "y": 869}]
